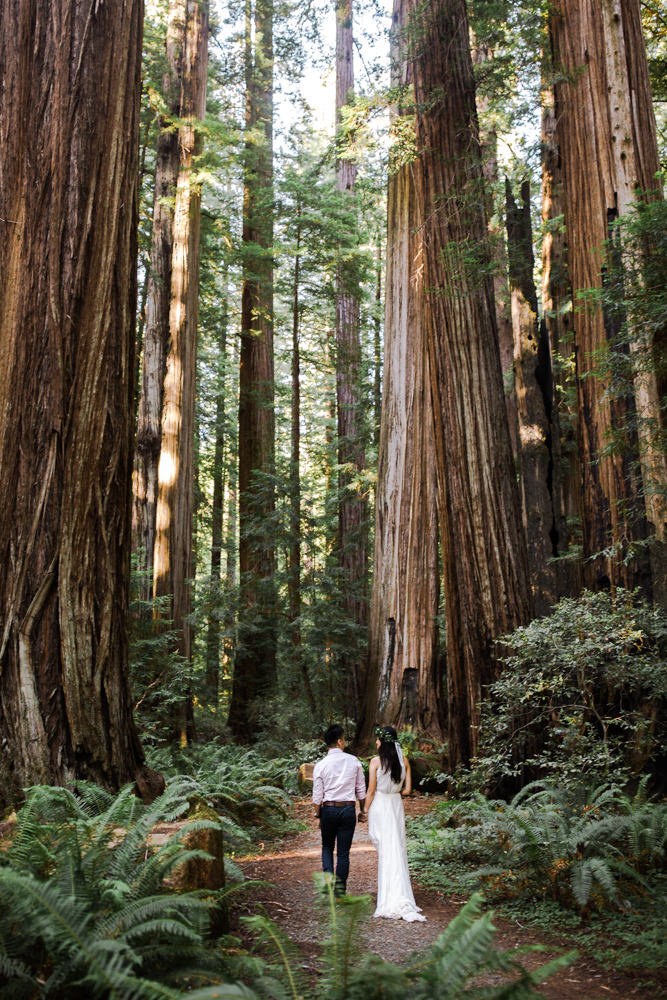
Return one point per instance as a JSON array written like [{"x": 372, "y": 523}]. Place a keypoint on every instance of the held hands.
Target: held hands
[{"x": 362, "y": 816}]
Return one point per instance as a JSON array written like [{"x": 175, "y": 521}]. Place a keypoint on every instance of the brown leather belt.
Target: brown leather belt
[{"x": 339, "y": 805}]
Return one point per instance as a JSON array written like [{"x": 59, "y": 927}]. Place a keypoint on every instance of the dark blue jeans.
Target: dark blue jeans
[{"x": 337, "y": 825}]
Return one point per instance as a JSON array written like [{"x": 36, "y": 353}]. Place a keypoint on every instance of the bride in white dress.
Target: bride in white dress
[{"x": 388, "y": 777}]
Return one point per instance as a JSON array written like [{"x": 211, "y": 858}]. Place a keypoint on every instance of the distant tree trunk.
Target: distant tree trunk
[
  {"x": 70, "y": 79},
  {"x": 172, "y": 558},
  {"x": 404, "y": 687},
  {"x": 158, "y": 288},
  {"x": 533, "y": 376},
  {"x": 213, "y": 631},
  {"x": 294, "y": 555},
  {"x": 352, "y": 512},
  {"x": 486, "y": 584},
  {"x": 606, "y": 135},
  {"x": 557, "y": 313},
  {"x": 255, "y": 665}
]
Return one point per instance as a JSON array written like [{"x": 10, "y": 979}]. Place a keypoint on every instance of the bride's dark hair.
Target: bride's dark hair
[{"x": 389, "y": 760}]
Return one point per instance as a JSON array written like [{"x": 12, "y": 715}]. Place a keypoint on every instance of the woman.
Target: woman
[{"x": 388, "y": 774}]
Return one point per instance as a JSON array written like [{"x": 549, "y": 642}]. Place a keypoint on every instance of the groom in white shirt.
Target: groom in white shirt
[{"x": 338, "y": 781}]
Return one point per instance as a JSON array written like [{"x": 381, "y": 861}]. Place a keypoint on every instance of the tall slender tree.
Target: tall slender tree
[
  {"x": 533, "y": 377},
  {"x": 404, "y": 686},
  {"x": 557, "y": 316},
  {"x": 70, "y": 76},
  {"x": 172, "y": 557},
  {"x": 352, "y": 510},
  {"x": 219, "y": 469},
  {"x": 158, "y": 289},
  {"x": 607, "y": 141},
  {"x": 255, "y": 663},
  {"x": 486, "y": 584}
]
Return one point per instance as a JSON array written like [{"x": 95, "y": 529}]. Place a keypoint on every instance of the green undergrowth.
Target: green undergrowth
[
  {"x": 89, "y": 910},
  {"x": 584, "y": 864}
]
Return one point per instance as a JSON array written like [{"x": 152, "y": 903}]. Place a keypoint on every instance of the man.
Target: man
[{"x": 338, "y": 781}]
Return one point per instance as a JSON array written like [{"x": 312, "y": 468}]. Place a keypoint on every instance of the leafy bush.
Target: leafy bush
[
  {"x": 580, "y": 847},
  {"x": 85, "y": 911},
  {"x": 583, "y": 694}
]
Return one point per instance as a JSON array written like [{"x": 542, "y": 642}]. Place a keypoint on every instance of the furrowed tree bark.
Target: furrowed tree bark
[
  {"x": 172, "y": 557},
  {"x": 606, "y": 134},
  {"x": 352, "y": 511},
  {"x": 377, "y": 347},
  {"x": 557, "y": 313},
  {"x": 156, "y": 325},
  {"x": 70, "y": 78},
  {"x": 533, "y": 376},
  {"x": 255, "y": 663},
  {"x": 404, "y": 687},
  {"x": 486, "y": 584},
  {"x": 481, "y": 55}
]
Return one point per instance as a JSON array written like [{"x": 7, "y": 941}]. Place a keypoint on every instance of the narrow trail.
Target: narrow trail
[{"x": 289, "y": 899}]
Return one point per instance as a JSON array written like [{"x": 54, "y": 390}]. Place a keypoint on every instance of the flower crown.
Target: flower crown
[{"x": 383, "y": 734}]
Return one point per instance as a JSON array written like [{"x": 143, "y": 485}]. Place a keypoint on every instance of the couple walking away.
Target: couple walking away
[{"x": 338, "y": 781}]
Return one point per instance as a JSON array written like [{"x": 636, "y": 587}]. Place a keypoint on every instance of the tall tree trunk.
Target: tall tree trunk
[
  {"x": 352, "y": 511},
  {"x": 557, "y": 313},
  {"x": 156, "y": 324},
  {"x": 213, "y": 631},
  {"x": 172, "y": 558},
  {"x": 404, "y": 687},
  {"x": 533, "y": 376},
  {"x": 70, "y": 79},
  {"x": 255, "y": 665},
  {"x": 294, "y": 555},
  {"x": 606, "y": 135},
  {"x": 486, "y": 584}
]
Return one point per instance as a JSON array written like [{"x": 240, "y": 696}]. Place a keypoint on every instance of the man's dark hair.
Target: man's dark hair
[{"x": 333, "y": 734}]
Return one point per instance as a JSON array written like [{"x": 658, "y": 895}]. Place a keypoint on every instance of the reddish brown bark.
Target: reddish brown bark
[
  {"x": 606, "y": 136},
  {"x": 158, "y": 288},
  {"x": 404, "y": 687},
  {"x": 486, "y": 583},
  {"x": 68, "y": 215},
  {"x": 255, "y": 663},
  {"x": 172, "y": 555}
]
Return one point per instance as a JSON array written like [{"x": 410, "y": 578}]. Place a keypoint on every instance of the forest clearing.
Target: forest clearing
[{"x": 333, "y": 499}]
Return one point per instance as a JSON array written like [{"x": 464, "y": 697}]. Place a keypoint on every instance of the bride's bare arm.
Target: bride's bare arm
[
  {"x": 407, "y": 787},
  {"x": 372, "y": 781}
]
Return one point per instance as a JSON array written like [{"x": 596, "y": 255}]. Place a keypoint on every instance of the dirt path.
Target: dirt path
[{"x": 289, "y": 900}]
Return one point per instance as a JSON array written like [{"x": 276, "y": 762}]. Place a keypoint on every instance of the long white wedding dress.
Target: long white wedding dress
[{"x": 386, "y": 828}]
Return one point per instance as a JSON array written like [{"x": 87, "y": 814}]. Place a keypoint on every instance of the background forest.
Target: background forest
[{"x": 332, "y": 388}]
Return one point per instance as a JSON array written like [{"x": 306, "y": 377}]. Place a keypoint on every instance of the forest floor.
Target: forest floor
[{"x": 288, "y": 897}]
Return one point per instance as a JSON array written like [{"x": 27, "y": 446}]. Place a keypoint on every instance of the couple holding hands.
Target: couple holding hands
[{"x": 338, "y": 782}]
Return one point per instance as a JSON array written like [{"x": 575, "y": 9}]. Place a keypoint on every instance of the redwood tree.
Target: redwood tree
[
  {"x": 404, "y": 684},
  {"x": 255, "y": 662},
  {"x": 352, "y": 510},
  {"x": 68, "y": 208},
  {"x": 172, "y": 554},
  {"x": 486, "y": 582},
  {"x": 533, "y": 377},
  {"x": 607, "y": 142},
  {"x": 158, "y": 288}
]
